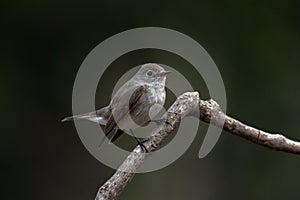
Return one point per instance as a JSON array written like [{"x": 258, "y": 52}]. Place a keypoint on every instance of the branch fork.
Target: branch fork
[{"x": 189, "y": 104}]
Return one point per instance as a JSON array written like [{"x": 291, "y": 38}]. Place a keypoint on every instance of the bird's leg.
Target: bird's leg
[{"x": 140, "y": 143}]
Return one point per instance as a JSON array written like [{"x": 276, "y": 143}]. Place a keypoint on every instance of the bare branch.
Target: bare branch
[
  {"x": 210, "y": 111},
  {"x": 189, "y": 104}
]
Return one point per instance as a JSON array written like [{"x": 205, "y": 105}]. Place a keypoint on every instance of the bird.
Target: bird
[{"x": 134, "y": 104}]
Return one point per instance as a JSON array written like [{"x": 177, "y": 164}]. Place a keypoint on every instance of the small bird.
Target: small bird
[{"x": 134, "y": 104}]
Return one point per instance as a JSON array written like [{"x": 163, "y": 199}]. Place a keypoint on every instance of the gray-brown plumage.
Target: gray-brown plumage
[{"x": 134, "y": 104}]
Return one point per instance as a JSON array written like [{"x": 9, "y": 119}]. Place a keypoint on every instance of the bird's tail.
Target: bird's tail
[
  {"x": 68, "y": 119},
  {"x": 95, "y": 116},
  {"x": 77, "y": 117}
]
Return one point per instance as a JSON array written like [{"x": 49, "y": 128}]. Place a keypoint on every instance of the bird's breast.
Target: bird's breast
[{"x": 157, "y": 96}]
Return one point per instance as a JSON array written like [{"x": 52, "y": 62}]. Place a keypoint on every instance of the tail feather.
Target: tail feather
[
  {"x": 77, "y": 117},
  {"x": 92, "y": 116},
  {"x": 67, "y": 119}
]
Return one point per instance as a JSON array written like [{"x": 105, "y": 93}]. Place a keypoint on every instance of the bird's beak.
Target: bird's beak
[{"x": 164, "y": 73}]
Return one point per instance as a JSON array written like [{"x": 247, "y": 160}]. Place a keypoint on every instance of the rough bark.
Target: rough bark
[{"x": 189, "y": 104}]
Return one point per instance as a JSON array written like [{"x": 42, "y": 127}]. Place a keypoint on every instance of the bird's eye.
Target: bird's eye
[{"x": 149, "y": 73}]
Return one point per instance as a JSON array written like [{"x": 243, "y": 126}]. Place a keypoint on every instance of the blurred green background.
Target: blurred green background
[{"x": 255, "y": 44}]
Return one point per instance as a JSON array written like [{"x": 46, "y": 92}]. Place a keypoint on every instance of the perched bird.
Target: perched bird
[{"x": 134, "y": 104}]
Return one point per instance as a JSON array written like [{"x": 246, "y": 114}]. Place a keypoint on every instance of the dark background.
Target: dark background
[{"x": 255, "y": 44}]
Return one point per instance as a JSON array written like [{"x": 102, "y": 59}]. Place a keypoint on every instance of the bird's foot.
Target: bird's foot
[{"x": 140, "y": 143}]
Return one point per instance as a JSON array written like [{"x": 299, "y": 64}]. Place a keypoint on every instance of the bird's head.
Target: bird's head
[{"x": 152, "y": 73}]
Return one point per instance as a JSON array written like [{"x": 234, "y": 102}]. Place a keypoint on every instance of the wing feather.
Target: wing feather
[{"x": 124, "y": 103}]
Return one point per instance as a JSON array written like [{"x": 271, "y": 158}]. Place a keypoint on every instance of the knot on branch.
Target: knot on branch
[
  {"x": 186, "y": 104},
  {"x": 210, "y": 111}
]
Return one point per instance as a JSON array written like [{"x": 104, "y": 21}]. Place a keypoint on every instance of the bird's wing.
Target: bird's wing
[{"x": 124, "y": 103}]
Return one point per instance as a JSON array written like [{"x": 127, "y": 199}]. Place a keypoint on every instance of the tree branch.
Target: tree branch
[{"x": 189, "y": 104}]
